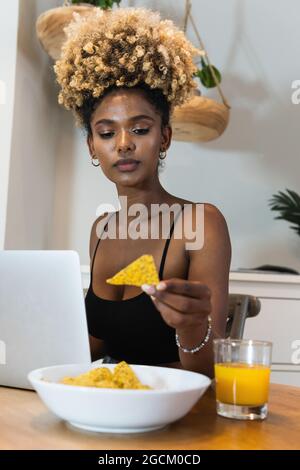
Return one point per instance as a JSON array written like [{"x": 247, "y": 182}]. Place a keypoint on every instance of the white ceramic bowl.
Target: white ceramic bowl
[{"x": 110, "y": 410}]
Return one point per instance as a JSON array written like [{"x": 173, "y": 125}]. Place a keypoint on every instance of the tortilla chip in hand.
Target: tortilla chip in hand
[{"x": 139, "y": 272}]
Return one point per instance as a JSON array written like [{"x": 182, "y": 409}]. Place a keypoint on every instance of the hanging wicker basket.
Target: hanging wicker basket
[
  {"x": 50, "y": 26},
  {"x": 200, "y": 119}
]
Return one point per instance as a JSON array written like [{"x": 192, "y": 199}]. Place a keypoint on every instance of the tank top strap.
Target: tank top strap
[
  {"x": 166, "y": 247},
  {"x": 95, "y": 251}
]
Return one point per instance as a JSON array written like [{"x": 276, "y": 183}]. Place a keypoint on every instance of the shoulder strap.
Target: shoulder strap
[
  {"x": 94, "y": 255},
  {"x": 163, "y": 259}
]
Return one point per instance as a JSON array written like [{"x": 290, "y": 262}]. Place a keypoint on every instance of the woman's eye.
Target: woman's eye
[
  {"x": 141, "y": 131},
  {"x": 106, "y": 135}
]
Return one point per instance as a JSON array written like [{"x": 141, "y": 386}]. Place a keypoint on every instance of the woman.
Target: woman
[{"x": 122, "y": 73}]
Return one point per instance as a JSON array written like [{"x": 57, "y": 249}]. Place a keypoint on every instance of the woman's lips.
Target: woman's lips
[{"x": 127, "y": 166}]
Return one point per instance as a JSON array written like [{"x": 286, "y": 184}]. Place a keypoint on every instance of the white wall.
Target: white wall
[
  {"x": 255, "y": 45},
  {"x": 36, "y": 124},
  {"x": 8, "y": 40}
]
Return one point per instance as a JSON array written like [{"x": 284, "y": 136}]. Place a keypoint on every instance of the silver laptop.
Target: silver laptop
[{"x": 42, "y": 313}]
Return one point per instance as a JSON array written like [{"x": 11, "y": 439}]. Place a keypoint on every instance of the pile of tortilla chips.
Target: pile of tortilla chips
[{"x": 122, "y": 377}]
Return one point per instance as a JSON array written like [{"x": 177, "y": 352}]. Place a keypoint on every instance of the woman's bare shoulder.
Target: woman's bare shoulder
[
  {"x": 209, "y": 225},
  {"x": 216, "y": 233},
  {"x": 215, "y": 219}
]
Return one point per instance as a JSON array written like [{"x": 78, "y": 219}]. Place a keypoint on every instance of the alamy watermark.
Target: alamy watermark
[
  {"x": 295, "y": 358},
  {"x": 188, "y": 222},
  {"x": 296, "y": 94}
]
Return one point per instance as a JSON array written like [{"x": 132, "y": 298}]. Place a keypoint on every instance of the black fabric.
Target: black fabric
[{"x": 132, "y": 329}]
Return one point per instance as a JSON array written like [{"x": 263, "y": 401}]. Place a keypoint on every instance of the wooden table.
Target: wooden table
[{"x": 26, "y": 423}]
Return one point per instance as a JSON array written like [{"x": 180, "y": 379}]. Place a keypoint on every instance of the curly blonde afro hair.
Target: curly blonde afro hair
[{"x": 125, "y": 47}]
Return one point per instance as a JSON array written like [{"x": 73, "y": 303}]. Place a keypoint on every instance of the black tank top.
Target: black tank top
[{"x": 132, "y": 329}]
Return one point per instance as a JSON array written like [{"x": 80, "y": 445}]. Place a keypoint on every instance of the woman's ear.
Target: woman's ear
[
  {"x": 90, "y": 144},
  {"x": 166, "y": 137}
]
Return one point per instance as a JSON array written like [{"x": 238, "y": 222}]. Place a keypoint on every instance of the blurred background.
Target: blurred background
[{"x": 49, "y": 191}]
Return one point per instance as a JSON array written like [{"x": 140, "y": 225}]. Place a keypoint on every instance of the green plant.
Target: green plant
[
  {"x": 288, "y": 206},
  {"x": 104, "y": 4},
  {"x": 205, "y": 75}
]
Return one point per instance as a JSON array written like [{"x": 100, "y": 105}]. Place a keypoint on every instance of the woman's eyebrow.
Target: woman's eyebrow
[{"x": 133, "y": 118}]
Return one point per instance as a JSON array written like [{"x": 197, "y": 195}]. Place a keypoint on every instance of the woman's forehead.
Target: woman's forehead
[{"x": 124, "y": 104}]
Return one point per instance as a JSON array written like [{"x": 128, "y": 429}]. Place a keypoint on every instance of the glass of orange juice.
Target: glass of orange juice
[{"x": 242, "y": 373}]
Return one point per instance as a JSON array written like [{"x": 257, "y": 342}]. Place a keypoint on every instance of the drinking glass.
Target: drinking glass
[{"x": 242, "y": 373}]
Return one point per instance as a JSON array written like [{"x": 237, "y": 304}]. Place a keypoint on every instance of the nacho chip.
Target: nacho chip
[{"x": 139, "y": 272}]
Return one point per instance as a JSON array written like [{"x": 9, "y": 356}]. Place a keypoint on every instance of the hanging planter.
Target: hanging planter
[
  {"x": 201, "y": 119},
  {"x": 50, "y": 26}
]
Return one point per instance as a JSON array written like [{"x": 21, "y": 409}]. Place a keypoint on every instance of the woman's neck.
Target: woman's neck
[{"x": 155, "y": 194}]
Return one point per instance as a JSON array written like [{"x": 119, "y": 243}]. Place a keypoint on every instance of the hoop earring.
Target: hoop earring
[
  {"x": 93, "y": 158},
  {"x": 162, "y": 154}
]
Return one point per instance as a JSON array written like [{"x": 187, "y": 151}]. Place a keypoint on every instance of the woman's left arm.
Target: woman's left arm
[{"x": 186, "y": 304}]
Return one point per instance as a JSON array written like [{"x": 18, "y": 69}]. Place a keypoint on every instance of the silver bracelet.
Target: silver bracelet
[{"x": 197, "y": 348}]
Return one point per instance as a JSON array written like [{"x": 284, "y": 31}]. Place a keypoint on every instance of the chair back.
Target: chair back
[{"x": 241, "y": 307}]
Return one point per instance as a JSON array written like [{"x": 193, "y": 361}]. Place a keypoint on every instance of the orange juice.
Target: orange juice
[{"x": 242, "y": 384}]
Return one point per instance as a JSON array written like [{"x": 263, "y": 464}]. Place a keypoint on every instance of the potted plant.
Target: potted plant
[
  {"x": 288, "y": 206},
  {"x": 50, "y": 24}
]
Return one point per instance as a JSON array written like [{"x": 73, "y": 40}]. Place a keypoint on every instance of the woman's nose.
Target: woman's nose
[{"x": 125, "y": 142}]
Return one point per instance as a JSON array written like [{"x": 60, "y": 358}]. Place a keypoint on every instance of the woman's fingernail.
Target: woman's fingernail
[
  {"x": 161, "y": 286},
  {"x": 148, "y": 289}
]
